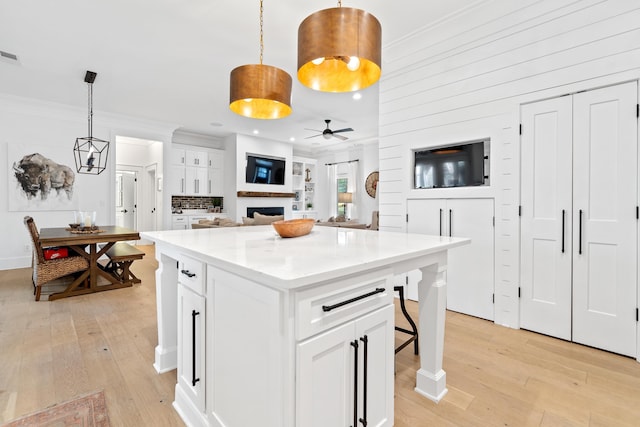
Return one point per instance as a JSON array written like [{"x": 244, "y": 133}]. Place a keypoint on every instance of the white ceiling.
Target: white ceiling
[{"x": 169, "y": 60}]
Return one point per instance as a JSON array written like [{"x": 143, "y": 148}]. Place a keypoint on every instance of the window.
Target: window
[{"x": 342, "y": 188}]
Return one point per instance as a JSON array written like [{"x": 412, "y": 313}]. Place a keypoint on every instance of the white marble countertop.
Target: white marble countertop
[{"x": 258, "y": 253}]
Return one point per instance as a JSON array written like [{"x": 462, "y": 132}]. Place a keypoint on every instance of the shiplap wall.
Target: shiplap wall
[{"x": 465, "y": 77}]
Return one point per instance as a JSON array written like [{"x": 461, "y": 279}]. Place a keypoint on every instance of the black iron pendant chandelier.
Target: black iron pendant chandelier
[{"x": 90, "y": 153}]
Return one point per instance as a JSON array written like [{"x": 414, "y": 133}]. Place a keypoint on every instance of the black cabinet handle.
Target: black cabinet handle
[
  {"x": 349, "y": 301},
  {"x": 194, "y": 380},
  {"x": 563, "y": 212},
  {"x": 187, "y": 273},
  {"x": 580, "y": 232},
  {"x": 365, "y": 340},
  {"x": 354, "y": 344},
  {"x": 450, "y": 223},
  {"x": 440, "y": 222}
]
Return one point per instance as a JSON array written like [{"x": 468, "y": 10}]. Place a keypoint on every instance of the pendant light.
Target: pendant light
[
  {"x": 339, "y": 50},
  {"x": 260, "y": 91},
  {"x": 90, "y": 153}
]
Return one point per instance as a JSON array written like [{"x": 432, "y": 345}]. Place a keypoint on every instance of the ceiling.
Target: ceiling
[{"x": 169, "y": 60}]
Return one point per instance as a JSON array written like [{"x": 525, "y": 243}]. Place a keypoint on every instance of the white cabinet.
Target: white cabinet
[
  {"x": 196, "y": 172},
  {"x": 345, "y": 375},
  {"x": 191, "y": 335},
  {"x": 180, "y": 222},
  {"x": 579, "y": 220},
  {"x": 303, "y": 185},
  {"x": 304, "y": 214},
  {"x": 197, "y": 158},
  {"x": 470, "y": 276}
]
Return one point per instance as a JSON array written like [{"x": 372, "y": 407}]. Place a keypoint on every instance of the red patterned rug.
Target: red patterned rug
[{"x": 89, "y": 410}]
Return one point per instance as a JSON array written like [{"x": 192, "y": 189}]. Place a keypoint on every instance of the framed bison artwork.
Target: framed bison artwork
[{"x": 41, "y": 178}]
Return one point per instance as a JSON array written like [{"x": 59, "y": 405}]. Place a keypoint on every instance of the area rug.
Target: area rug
[{"x": 89, "y": 410}]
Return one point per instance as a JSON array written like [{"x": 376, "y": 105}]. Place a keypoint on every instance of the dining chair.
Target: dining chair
[{"x": 46, "y": 270}]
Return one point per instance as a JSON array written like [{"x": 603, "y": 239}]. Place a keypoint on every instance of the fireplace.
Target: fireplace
[{"x": 273, "y": 210}]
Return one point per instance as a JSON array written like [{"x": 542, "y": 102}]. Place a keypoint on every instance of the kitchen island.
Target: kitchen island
[{"x": 293, "y": 332}]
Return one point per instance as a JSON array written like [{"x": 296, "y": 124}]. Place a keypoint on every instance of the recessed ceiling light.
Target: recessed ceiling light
[
  {"x": 256, "y": 131},
  {"x": 215, "y": 124},
  {"x": 357, "y": 96},
  {"x": 292, "y": 139}
]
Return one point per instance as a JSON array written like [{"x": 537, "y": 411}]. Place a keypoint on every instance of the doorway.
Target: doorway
[{"x": 126, "y": 199}]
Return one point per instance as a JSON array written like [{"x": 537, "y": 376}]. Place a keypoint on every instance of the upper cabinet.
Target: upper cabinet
[{"x": 196, "y": 171}]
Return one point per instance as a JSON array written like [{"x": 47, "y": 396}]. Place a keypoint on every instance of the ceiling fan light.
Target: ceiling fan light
[
  {"x": 260, "y": 92},
  {"x": 336, "y": 34}
]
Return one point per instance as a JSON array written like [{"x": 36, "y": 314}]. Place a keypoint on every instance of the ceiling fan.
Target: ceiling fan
[{"x": 328, "y": 133}]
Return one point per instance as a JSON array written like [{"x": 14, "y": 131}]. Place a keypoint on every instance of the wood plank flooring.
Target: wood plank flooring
[{"x": 53, "y": 351}]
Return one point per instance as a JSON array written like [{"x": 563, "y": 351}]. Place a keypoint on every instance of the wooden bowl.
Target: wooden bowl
[{"x": 294, "y": 227}]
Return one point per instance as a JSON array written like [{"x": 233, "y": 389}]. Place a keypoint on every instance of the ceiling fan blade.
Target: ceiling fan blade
[
  {"x": 314, "y": 130},
  {"x": 313, "y": 136},
  {"x": 344, "y": 138},
  {"x": 343, "y": 130}
]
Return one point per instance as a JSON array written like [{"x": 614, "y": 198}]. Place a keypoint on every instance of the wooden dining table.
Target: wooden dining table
[{"x": 91, "y": 246}]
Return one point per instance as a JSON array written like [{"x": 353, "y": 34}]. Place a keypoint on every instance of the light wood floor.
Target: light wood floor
[{"x": 53, "y": 351}]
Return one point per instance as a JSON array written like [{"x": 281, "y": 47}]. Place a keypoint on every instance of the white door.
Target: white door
[
  {"x": 376, "y": 367},
  {"x": 546, "y": 217},
  {"x": 605, "y": 199},
  {"x": 470, "y": 268},
  {"x": 325, "y": 378},
  {"x": 126, "y": 182}
]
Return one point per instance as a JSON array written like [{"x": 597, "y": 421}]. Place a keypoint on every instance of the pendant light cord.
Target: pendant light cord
[
  {"x": 90, "y": 110},
  {"x": 261, "y": 33}
]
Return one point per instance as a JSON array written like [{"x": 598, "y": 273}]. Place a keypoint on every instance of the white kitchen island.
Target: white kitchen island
[{"x": 275, "y": 332}]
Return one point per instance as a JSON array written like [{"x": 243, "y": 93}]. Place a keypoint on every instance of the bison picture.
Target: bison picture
[{"x": 38, "y": 174}]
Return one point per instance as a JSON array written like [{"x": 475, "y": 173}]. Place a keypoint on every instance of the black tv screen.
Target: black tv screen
[
  {"x": 265, "y": 170},
  {"x": 452, "y": 166}
]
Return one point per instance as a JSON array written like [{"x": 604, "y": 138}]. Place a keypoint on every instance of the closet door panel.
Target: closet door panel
[
  {"x": 545, "y": 303},
  {"x": 605, "y": 200}
]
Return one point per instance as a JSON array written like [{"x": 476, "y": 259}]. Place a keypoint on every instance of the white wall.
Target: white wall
[
  {"x": 465, "y": 78},
  {"x": 28, "y": 122}
]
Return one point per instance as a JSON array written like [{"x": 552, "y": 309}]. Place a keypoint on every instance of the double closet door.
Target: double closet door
[{"x": 579, "y": 198}]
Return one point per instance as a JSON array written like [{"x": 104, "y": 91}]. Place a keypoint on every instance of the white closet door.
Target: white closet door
[
  {"x": 545, "y": 275},
  {"x": 605, "y": 200}
]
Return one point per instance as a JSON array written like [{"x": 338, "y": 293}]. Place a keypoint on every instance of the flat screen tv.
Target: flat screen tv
[
  {"x": 452, "y": 166},
  {"x": 265, "y": 170}
]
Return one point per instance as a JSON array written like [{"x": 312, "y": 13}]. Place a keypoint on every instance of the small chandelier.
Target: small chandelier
[
  {"x": 90, "y": 153},
  {"x": 260, "y": 91},
  {"x": 339, "y": 50}
]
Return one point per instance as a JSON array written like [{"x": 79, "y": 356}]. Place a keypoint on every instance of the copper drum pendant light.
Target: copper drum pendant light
[
  {"x": 260, "y": 91},
  {"x": 339, "y": 50}
]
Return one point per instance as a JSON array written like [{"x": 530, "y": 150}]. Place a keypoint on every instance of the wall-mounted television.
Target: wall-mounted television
[
  {"x": 265, "y": 170},
  {"x": 459, "y": 165}
]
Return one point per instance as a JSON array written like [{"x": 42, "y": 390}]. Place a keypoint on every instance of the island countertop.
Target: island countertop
[{"x": 258, "y": 253}]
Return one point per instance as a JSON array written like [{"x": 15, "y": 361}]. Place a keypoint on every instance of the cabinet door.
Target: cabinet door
[
  {"x": 177, "y": 183},
  {"x": 196, "y": 158},
  {"x": 191, "y": 346},
  {"x": 215, "y": 186},
  {"x": 470, "y": 267},
  {"x": 375, "y": 333},
  {"x": 325, "y": 379},
  {"x": 197, "y": 181},
  {"x": 177, "y": 156},
  {"x": 427, "y": 216}
]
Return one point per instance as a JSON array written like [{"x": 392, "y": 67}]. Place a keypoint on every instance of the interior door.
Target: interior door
[
  {"x": 546, "y": 215},
  {"x": 126, "y": 199},
  {"x": 605, "y": 224}
]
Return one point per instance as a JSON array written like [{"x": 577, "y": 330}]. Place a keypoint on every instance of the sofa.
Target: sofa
[{"x": 258, "y": 219}]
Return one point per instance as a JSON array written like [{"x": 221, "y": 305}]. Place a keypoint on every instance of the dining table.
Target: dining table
[{"x": 91, "y": 245}]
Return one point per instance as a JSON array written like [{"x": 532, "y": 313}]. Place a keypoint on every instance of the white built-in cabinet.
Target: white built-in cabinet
[
  {"x": 303, "y": 185},
  {"x": 470, "y": 272},
  {"x": 579, "y": 218},
  {"x": 196, "y": 171}
]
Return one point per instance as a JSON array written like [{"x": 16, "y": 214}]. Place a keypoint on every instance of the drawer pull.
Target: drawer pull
[
  {"x": 187, "y": 273},
  {"x": 349, "y": 301}
]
